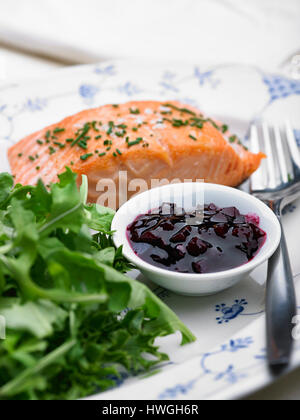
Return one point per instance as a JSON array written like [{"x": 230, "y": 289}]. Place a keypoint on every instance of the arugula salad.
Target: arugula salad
[{"x": 74, "y": 321}]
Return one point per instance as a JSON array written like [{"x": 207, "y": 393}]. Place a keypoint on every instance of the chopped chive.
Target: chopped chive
[
  {"x": 224, "y": 128},
  {"x": 31, "y": 158},
  {"x": 39, "y": 142},
  {"x": 94, "y": 126},
  {"x": 118, "y": 151},
  {"x": 134, "y": 111},
  {"x": 114, "y": 154},
  {"x": 86, "y": 156},
  {"x": 232, "y": 139},
  {"x": 48, "y": 134},
  {"x": 82, "y": 144},
  {"x": 60, "y": 145},
  {"x": 51, "y": 150},
  {"x": 83, "y": 132},
  {"x": 98, "y": 137},
  {"x": 134, "y": 142},
  {"x": 185, "y": 110},
  {"x": 111, "y": 126},
  {"x": 20, "y": 155},
  {"x": 192, "y": 137},
  {"x": 69, "y": 140},
  {"x": 115, "y": 105},
  {"x": 58, "y": 130},
  {"x": 38, "y": 168},
  {"x": 102, "y": 154},
  {"x": 134, "y": 129},
  {"x": 120, "y": 133}
]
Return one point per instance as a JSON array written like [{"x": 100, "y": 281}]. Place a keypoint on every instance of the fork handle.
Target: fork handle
[{"x": 280, "y": 306}]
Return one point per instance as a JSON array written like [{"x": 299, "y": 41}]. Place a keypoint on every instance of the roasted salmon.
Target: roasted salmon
[{"x": 147, "y": 140}]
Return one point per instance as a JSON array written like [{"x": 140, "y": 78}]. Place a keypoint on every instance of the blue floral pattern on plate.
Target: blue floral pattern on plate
[{"x": 236, "y": 360}]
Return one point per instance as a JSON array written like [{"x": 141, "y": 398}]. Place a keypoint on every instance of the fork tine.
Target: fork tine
[
  {"x": 258, "y": 179},
  {"x": 294, "y": 150},
  {"x": 270, "y": 156},
  {"x": 280, "y": 154}
]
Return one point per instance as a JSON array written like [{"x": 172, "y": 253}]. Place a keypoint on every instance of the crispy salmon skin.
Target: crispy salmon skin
[{"x": 147, "y": 139}]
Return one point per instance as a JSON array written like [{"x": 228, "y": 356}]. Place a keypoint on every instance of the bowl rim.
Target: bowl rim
[{"x": 264, "y": 253}]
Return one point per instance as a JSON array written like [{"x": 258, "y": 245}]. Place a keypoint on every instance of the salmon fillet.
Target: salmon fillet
[{"x": 148, "y": 139}]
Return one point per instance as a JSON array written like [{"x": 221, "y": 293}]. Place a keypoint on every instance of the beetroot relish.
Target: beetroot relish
[{"x": 167, "y": 238}]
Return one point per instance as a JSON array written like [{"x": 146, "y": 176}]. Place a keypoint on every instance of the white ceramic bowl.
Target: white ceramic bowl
[{"x": 189, "y": 283}]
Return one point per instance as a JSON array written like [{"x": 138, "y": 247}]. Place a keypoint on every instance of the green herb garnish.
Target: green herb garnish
[
  {"x": 66, "y": 299},
  {"x": 134, "y": 111},
  {"x": 86, "y": 156}
]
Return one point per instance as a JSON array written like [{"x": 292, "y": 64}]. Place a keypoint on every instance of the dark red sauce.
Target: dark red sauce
[{"x": 170, "y": 239}]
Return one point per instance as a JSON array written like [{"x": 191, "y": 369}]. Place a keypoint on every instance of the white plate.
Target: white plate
[{"x": 228, "y": 360}]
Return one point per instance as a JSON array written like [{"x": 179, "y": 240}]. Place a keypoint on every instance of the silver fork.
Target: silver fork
[{"x": 277, "y": 183}]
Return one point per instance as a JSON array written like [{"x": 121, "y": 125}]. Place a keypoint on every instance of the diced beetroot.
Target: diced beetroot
[
  {"x": 252, "y": 218},
  {"x": 153, "y": 239},
  {"x": 230, "y": 211},
  {"x": 197, "y": 267},
  {"x": 196, "y": 246},
  {"x": 179, "y": 252},
  {"x": 241, "y": 231},
  {"x": 167, "y": 225},
  {"x": 221, "y": 229},
  {"x": 257, "y": 232},
  {"x": 181, "y": 235},
  {"x": 239, "y": 220},
  {"x": 219, "y": 218}
]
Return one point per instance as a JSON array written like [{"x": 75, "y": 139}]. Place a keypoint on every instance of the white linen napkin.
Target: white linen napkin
[{"x": 260, "y": 32}]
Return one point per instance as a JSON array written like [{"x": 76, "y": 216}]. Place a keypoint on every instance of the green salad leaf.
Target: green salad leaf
[{"x": 74, "y": 320}]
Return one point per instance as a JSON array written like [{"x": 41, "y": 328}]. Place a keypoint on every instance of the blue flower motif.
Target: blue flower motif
[
  {"x": 37, "y": 104},
  {"x": 230, "y": 312},
  {"x": 129, "y": 89},
  {"x": 239, "y": 343},
  {"x": 106, "y": 70},
  {"x": 230, "y": 376},
  {"x": 206, "y": 76},
  {"x": 262, "y": 355},
  {"x": 280, "y": 86},
  {"x": 88, "y": 91},
  {"x": 2, "y": 108},
  {"x": 168, "y": 81},
  {"x": 179, "y": 389}
]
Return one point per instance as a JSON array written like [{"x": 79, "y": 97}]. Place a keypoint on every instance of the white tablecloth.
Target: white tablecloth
[{"x": 259, "y": 32}]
